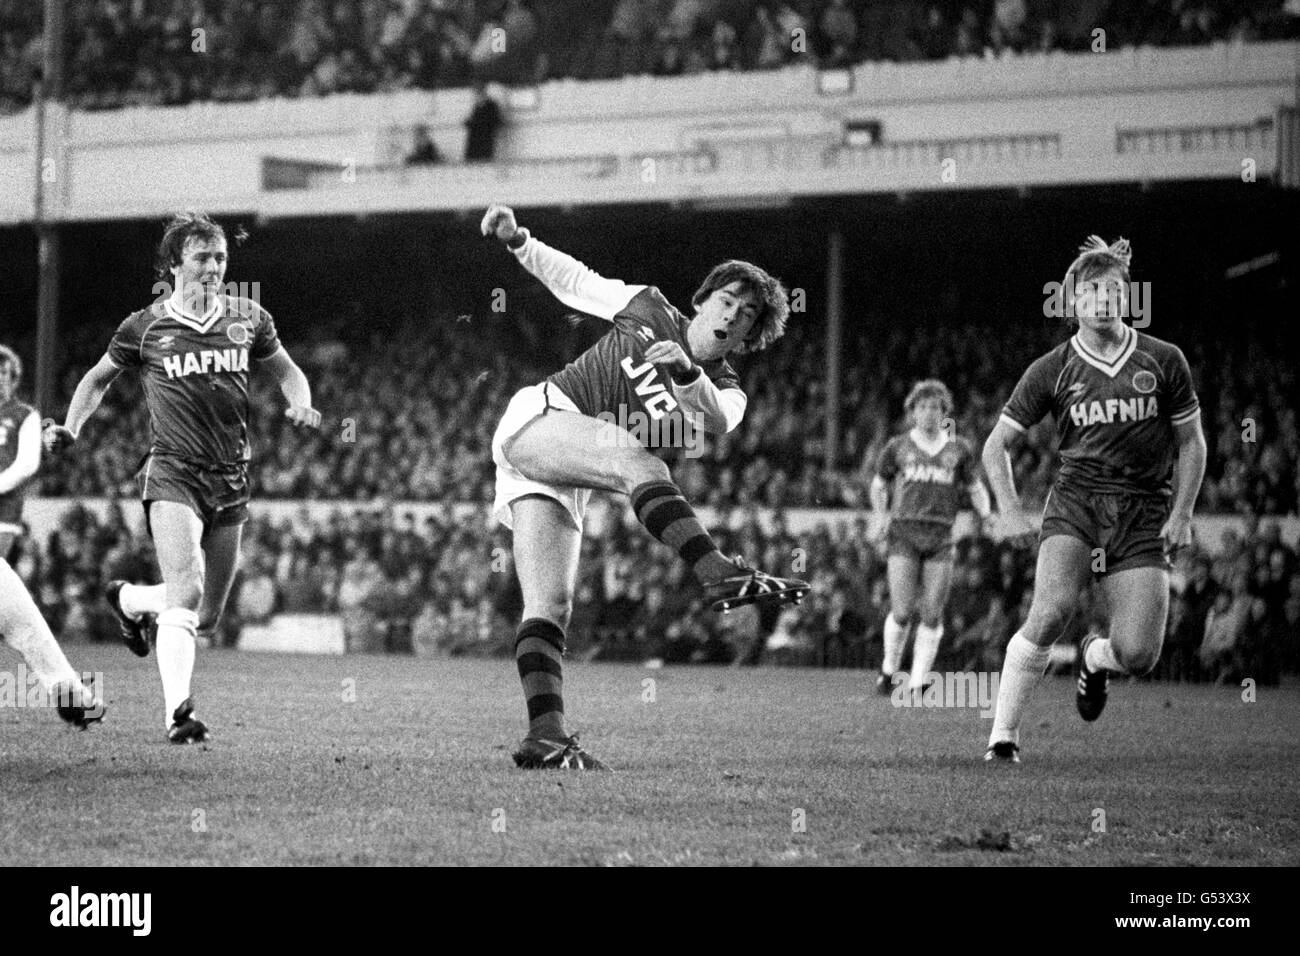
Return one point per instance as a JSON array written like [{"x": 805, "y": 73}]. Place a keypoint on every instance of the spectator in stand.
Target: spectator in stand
[
  {"x": 792, "y": 24},
  {"x": 725, "y": 53},
  {"x": 1221, "y": 652},
  {"x": 839, "y": 32},
  {"x": 424, "y": 151},
  {"x": 483, "y": 124},
  {"x": 764, "y": 46}
]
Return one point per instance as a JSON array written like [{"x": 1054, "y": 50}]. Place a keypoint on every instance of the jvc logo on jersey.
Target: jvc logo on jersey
[
  {"x": 654, "y": 394},
  {"x": 209, "y": 360},
  {"x": 933, "y": 473},
  {"x": 1112, "y": 410}
]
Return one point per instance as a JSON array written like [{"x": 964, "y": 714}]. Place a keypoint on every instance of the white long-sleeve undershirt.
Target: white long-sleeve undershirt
[{"x": 582, "y": 288}]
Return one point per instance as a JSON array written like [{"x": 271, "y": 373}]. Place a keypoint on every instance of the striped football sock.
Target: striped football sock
[
  {"x": 539, "y": 649},
  {"x": 668, "y": 516}
]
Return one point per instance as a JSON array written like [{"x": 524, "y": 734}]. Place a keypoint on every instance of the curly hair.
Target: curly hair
[
  {"x": 928, "y": 388},
  {"x": 10, "y": 358},
  {"x": 773, "y": 300}
]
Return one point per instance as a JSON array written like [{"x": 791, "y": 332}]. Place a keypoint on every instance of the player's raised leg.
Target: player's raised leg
[
  {"x": 903, "y": 571},
  {"x": 1064, "y": 564},
  {"x": 221, "y": 549},
  {"x": 546, "y": 548},
  {"x": 23, "y": 629},
  {"x": 571, "y": 449},
  {"x": 1139, "y": 602},
  {"x": 936, "y": 576},
  {"x": 177, "y": 535}
]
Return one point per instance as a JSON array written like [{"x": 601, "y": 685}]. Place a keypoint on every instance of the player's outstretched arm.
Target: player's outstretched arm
[
  {"x": 1188, "y": 473},
  {"x": 85, "y": 400},
  {"x": 568, "y": 280},
  {"x": 997, "y": 465},
  {"x": 297, "y": 390},
  {"x": 28, "y": 460},
  {"x": 878, "y": 492},
  {"x": 979, "y": 499}
]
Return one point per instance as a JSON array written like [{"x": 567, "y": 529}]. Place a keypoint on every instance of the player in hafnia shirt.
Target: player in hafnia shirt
[
  {"x": 195, "y": 349},
  {"x": 930, "y": 470},
  {"x": 1125, "y": 410},
  {"x": 570, "y": 434}
]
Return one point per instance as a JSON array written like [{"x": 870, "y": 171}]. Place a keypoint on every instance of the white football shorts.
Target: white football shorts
[{"x": 530, "y": 403}]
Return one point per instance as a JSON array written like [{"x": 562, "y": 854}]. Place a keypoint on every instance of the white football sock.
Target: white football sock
[
  {"x": 23, "y": 629},
  {"x": 924, "y": 650},
  {"x": 1022, "y": 669},
  {"x": 177, "y": 627},
  {"x": 1101, "y": 657},
  {"x": 137, "y": 599},
  {"x": 895, "y": 636}
]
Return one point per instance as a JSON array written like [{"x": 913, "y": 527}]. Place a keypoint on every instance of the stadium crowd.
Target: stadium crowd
[
  {"x": 444, "y": 585},
  {"x": 416, "y": 425},
  {"x": 162, "y": 52}
]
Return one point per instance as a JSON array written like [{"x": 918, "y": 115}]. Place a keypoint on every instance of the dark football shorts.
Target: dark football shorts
[
  {"x": 1125, "y": 526},
  {"x": 11, "y": 512},
  {"x": 219, "y": 496},
  {"x": 920, "y": 540},
  {"x": 11, "y": 522}
]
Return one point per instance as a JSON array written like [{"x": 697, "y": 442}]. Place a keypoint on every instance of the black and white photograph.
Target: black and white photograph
[{"x": 648, "y": 434}]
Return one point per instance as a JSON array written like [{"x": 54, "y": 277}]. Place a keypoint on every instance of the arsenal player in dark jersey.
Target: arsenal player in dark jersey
[
  {"x": 565, "y": 436},
  {"x": 929, "y": 469},
  {"x": 1125, "y": 410},
  {"x": 20, "y": 448},
  {"x": 194, "y": 349}
]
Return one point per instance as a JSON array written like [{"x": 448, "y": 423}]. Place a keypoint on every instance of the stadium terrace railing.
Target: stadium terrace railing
[
  {"x": 1132, "y": 115},
  {"x": 42, "y": 515}
]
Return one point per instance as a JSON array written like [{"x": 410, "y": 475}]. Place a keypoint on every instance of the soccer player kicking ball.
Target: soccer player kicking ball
[
  {"x": 929, "y": 468},
  {"x": 1124, "y": 406},
  {"x": 23, "y": 629},
  {"x": 557, "y": 441},
  {"x": 193, "y": 349},
  {"x": 21, "y": 624},
  {"x": 20, "y": 449}
]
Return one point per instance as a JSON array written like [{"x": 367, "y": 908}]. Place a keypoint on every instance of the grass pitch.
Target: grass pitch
[{"x": 381, "y": 760}]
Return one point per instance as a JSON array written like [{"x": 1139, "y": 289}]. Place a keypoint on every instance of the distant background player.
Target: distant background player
[
  {"x": 192, "y": 349},
  {"x": 1124, "y": 407},
  {"x": 929, "y": 469},
  {"x": 552, "y": 447}
]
